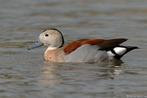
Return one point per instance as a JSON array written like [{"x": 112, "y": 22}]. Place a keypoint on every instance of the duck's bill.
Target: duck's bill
[{"x": 36, "y": 45}]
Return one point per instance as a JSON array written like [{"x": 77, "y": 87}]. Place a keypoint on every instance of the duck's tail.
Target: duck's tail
[{"x": 119, "y": 51}]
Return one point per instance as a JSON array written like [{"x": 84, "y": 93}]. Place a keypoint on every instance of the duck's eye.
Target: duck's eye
[{"x": 46, "y": 35}]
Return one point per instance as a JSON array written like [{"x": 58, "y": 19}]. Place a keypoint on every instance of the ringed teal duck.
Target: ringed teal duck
[{"x": 82, "y": 50}]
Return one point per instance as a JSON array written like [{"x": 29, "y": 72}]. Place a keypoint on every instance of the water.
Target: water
[{"x": 24, "y": 74}]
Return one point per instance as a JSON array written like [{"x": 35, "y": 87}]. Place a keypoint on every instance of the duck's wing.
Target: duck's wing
[
  {"x": 102, "y": 43},
  {"x": 108, "y": 44}
]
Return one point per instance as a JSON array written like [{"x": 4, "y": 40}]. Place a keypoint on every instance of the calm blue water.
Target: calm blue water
[{"x": 24, "y": 74}]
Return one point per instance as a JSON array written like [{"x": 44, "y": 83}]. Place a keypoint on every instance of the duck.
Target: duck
[{"x": 82, "y": 50}]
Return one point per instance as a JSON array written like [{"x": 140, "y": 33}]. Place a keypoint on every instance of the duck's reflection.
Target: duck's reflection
[
  {"x": 113, "y": 69},
  {"x": 50, "y": 74}
]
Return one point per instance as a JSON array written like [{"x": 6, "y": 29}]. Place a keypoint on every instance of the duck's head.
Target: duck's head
[{"x": 51, "y": 37}]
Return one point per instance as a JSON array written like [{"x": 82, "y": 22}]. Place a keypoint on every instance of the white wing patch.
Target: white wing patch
[
  {"x": 110, "y": 53},
  {"x": 120, "y": 50}
]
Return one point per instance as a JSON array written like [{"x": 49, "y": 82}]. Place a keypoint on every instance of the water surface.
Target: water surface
[{"x": 24, "y": 74}]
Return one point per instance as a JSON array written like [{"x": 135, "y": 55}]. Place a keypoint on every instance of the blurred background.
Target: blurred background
[{"x": 24, "y": 74}]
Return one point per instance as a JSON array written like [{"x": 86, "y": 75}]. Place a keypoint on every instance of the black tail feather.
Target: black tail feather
[{"x": 129, "y": 48}]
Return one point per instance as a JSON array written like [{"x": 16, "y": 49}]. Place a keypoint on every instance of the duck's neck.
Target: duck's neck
[{"x": 51, "y": 48}]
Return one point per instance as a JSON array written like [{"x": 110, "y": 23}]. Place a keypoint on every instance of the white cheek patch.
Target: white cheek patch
[{"x": 120, "y": 50}]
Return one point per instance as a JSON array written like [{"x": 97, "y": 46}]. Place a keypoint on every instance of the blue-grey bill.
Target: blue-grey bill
[{"x": 36, "y": 45}]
